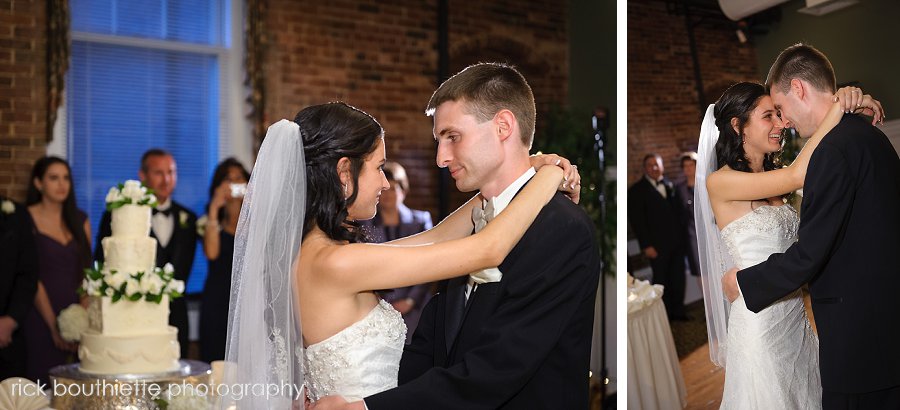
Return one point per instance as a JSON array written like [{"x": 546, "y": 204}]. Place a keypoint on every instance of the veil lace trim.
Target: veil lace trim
[
  {"x": 263, "y": 317},
  {"x": 714, "y": 259}
]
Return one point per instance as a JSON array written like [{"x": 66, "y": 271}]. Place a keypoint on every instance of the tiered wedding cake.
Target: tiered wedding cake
[{"x": 129, "y": 297}]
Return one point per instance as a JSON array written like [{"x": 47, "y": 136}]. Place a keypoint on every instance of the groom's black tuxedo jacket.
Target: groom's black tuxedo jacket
[
  {"x": 848, "y": 244},
  {"x": 524, "y": 342},
  {"x": 179, "y": 252}
]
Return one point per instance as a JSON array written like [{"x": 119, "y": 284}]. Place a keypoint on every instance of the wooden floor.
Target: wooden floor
[{"x": 704, "y": 381}]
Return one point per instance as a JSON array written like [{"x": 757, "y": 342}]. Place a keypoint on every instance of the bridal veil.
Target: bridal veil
[
  {"x": 264, "y": 338},
  {"x": 714, "y": 260}
]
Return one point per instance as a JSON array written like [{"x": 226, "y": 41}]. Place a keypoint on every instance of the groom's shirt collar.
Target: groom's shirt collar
[{"x": 501, "y": 201}]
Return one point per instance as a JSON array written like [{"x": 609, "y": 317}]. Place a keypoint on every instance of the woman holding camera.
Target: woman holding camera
[{"x": 226, "y": 194}]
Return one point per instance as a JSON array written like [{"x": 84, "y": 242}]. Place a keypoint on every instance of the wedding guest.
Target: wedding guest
[
  {"x": 395, "y": 220},
  {"x": 61, "y": 233},
  {"x": 226, "y": 194},
  {"x": 18, "y": 284},
  {"x": 654, "y": 214},
  {"x": 685, "y": 192},
  {"x": 174, "y": 227}
]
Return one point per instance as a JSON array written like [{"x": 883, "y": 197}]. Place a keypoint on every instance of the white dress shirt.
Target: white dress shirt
[
  {"x": 660, "y": 187},
  {"x": 500, "y": 203},
  {"x": 163, "y": 226}
]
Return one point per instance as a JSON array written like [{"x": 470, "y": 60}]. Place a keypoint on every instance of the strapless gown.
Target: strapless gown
[
  {"x": 360, "y": 360},
  {"x": 772, "y": 357}
]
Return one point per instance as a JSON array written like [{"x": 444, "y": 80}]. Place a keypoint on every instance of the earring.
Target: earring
[{"x": 345, "y": 190}]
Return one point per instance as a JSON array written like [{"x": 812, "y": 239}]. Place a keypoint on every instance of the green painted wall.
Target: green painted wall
[
  {"x": 592, "y": 60},
  {"x": 860, "y": 40}
]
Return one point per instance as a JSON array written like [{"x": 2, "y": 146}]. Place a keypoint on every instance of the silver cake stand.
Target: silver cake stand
[{"x": 73, "y": 389}]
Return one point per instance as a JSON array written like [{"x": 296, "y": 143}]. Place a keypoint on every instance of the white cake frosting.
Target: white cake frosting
[
  {"x": 129, "y": 254},
  {"x": 128, "y": 337},
  {"x": 121, "y": 354}
]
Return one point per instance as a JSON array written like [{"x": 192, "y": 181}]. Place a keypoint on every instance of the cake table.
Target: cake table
[{"x": 73, "y": 389}]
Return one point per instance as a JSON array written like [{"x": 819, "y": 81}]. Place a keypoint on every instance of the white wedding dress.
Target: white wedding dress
[
  {"x": 360, "y": 360},
  {"x": 772, "y": 356}
]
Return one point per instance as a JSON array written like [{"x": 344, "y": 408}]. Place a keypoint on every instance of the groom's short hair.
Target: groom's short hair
[
  {"x": 486, "y": 89},
  {"x": 803, "y": 62}
]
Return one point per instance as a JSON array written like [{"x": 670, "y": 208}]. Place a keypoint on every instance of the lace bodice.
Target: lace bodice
[
  {"x": 754, "y": 236},
  {"x": 361, "y": 360}
]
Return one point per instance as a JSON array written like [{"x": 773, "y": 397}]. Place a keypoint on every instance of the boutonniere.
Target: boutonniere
[
  {"x": 8, "y": 207},
  {"x": 183, "y": 219}
]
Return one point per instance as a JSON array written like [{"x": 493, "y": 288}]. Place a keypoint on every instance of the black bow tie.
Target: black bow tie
[{"x": 167, "y": 212}]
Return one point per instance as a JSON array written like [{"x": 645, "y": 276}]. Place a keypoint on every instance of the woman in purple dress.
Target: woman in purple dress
[
  {"x": 61, "y": 233},
  {"x": 226, "y": 195}
]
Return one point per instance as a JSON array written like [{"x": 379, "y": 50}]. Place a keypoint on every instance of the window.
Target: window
[{"x": 151, "y": 73}]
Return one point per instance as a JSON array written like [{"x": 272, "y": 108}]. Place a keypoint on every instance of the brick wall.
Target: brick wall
[
  {"x": 663, "y": 115},
  {"x": 380, "y": 57},
  {"x": 383, "y": 59},
  {"x": 23, "y": 90}
]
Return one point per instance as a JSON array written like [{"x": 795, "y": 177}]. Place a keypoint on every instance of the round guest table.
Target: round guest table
[
  {"x": 654, "y": 374},
  {"x": 73, "y": 389}
]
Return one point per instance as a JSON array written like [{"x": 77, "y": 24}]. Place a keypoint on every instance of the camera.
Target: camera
[{"x": 238, "y": 190}]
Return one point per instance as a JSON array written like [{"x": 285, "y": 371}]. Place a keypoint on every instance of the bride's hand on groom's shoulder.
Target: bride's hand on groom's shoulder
[
  {"x": 571, "y": 186},
  {"x": 730, "y": 285},
  {"x": 852, "y": 100}
]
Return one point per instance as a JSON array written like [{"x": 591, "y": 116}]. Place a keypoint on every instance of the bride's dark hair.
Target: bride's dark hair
[
  {"x": 330, "y": 132},
  {"x": 738, "y": 101}
]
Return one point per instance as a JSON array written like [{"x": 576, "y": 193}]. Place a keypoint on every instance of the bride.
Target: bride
[
  {"x": 298, "y": 249},
  {"x": 742, "y": 218}
]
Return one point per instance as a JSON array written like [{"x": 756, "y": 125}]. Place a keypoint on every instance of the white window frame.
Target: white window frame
[{"x": 235, "y": 129}]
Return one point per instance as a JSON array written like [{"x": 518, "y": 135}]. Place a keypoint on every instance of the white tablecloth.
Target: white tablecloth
[{"x": 654, "y": 375}]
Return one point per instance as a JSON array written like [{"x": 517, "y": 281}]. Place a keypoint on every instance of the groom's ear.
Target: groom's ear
[
  {"x": 797, "y": 88},
  {"x": 504, "y": 122}
]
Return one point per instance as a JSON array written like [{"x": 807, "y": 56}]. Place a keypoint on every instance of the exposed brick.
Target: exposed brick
[
  {"x": 663, "y": 111},
  {"x": 378, "y": 57},
  {"x": 22, "y": 92},
  {"x": 383, "y": 60}
]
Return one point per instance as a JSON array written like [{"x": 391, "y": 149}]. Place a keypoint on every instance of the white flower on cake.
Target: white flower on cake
[
  {"x": 8, "y": 206},
  {"x": 72, "y": 321},
  {"x": 132, "y": 287},
  {"x": 114, "y": 195},
  {"x": 131, "y": 192},
  {"x": 91, "y": 287},
  {"x": 150, "y": 286},
  {"x": 115, "y": 279}
]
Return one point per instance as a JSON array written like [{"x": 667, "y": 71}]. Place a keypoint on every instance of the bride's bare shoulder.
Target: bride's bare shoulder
[{"x": 716, "y": 176}]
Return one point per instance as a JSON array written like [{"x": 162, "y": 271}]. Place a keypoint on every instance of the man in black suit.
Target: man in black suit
[
  {"x": 173, "y": 226},
  {"x": 654, "y": 215},
  {"x": 18, "y": 283},
  {"x": 849, "y": 238},
  {"x": 517, "y": 336}
]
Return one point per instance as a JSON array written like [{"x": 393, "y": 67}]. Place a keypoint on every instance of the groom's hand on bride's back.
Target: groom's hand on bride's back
[{"x": 730, "y": 285}]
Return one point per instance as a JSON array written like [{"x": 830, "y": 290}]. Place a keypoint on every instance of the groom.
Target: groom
[
  {"x": 849, "y": 238},
  {"x": 519, "y": 336}
]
